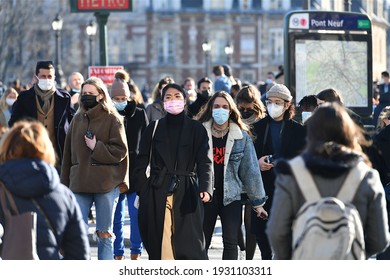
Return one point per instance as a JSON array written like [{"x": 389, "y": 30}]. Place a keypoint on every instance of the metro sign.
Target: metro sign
[
  {"x": 106, "y": 73},
  {"x": 299, "y": 21},
  {"x": 100, "y": 5}
]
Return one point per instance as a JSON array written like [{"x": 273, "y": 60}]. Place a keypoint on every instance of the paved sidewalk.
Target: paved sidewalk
[{"x": 215, "y": 250}]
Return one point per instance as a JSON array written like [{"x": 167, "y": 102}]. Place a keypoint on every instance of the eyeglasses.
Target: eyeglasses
[{"x": 277, "y": 102}]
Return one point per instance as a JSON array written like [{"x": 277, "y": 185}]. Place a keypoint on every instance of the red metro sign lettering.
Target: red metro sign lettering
[
  {"x": 106, "y": 73},
  {"x": 106, "y": 5}
]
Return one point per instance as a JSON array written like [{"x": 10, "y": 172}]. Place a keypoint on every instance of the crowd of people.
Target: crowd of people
[{"x": 201, "y": 149}]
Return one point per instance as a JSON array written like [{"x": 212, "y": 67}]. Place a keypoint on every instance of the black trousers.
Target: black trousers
[
  {"x": 258, "y": 226},
  {"x": 231, "y": 222}
]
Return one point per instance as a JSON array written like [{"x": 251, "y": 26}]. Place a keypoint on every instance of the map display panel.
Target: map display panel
[{"x": 341, "y": 65}]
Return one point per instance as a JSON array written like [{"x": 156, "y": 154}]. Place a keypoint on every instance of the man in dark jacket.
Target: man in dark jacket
[
  {"x": 278, "y": 136},
  {"x": 203, "y": 95},
  {"x": 46, "y": 103}
]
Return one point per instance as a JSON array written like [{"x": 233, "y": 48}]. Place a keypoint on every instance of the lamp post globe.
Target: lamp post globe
[
  {"x": 91, "y": 32},
  {"x": 56, "y": 25},
  {"x": 229, "y": 52},
  {"x": 206, "y": 47}
]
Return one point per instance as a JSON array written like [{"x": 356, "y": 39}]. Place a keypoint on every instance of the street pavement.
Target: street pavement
[{"x": 215, "y": 250}]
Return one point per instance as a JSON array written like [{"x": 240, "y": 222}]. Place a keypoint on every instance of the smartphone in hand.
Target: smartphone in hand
[{"x": 89, "y": 134}]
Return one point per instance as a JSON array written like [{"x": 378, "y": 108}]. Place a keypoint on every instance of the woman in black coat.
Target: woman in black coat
[
  {"x": 277, "y": 136},
  {"x": 379, "y": 154},
  {"x": 171, "y": 219}
]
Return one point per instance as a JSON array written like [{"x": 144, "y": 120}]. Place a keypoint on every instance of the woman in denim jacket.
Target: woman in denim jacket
[{"x": 235, "y": 169}]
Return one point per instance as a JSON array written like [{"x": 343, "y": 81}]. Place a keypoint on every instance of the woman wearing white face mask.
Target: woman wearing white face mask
[
  {"x": 170, "y": 211},
  {"x": 6, "y": 102},
  {"x": 277, "y": 136},
  {"x": 235, "y": 170}
]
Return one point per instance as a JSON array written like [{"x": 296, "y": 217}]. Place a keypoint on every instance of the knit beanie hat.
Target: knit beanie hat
[
  {"x": 119, "y": 88},
  {"x": 280, "y": 91}
]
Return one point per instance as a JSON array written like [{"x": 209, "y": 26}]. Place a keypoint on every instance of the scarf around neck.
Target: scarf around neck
[{"x": 45, "y": 96}]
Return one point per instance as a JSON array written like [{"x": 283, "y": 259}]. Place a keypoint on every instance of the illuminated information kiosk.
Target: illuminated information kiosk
[{"x": 330, "y": 50}]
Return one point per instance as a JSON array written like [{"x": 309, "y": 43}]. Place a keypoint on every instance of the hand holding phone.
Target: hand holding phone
[{"x": 89, "y": 134}]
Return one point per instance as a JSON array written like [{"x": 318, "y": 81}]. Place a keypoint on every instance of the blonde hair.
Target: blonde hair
[
  {"x": 135, "y": 93},
  {"x": 27, "y": 139},
  {"x": 102, "y": 89},
  {"x": 385, "y": 113},
  {"x": 3, "y": 103}
]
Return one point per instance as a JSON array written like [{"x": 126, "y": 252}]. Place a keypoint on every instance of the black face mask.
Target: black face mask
[
  {"x": 89, "y": 101},
  {"x": 247, "y": 114},
  {"x": 205, "y": 93}
]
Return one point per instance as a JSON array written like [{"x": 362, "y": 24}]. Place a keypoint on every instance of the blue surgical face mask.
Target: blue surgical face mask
[
  {"x": 220, "y": 115},
  {"x": 120, "y": 106}
]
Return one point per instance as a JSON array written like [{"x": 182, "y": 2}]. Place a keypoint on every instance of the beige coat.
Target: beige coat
[{"x": 102, "y": 169}]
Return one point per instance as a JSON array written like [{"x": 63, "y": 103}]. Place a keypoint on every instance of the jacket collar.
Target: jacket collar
[
  {"x": 234, "y": 130},
  {"x": 95, "y": 111}
]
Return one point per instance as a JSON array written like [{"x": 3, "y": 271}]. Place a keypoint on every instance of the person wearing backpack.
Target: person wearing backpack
[{"x": 334, "y": 148}]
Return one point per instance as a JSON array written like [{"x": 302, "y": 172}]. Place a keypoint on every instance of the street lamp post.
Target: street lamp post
[
  {"x": 56, "y": 24},
  {"x": 229, "y": 51},
  {"x": 91, "y": 32},
  {"x": 206, "y": 47}
]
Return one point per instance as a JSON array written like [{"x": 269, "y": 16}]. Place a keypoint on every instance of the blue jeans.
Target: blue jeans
[
  {"x": 105, "y": 204},
  {"x": 119, "y": 219}
]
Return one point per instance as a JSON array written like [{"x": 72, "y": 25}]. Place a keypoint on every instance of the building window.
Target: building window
[
  {"x": 218, "y": 4},
  {"x": 276, "y": 4},
  {"x": 165, "y": 5},
  {"x": 276, "y": 44},
  {"x": 247, "y": 45},
  {"x": 246, "y": 5},
  {"x": 166, "y": 48},
  {"x": 139, "y": 48},
  {"x": 218, "y": 42}
]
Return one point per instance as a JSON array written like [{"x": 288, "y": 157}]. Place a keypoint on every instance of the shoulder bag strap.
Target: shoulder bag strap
[
  {"x": 151, "y": 141},
  {"x": 352, "y": 182},
  {"x": 304, "y": 179},
  {"x": 5, "y": 195},
  {"x": 50, "y": 225}
]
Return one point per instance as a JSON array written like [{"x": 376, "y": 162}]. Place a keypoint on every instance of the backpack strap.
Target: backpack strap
[
  {"x": 352, "y": 182},
  {"x": 304, "y": 179}
]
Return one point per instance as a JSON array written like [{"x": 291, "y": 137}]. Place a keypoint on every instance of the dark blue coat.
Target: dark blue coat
[
  {"x": 25, "y": 107},
  {"x": 33, "y": 178}
]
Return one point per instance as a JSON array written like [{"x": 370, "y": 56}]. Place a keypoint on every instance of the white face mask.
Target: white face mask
[
  {"x": 274, "y": 110},
  {"x": 45, "y": 84},
  {"x": 10, "y": 101}
]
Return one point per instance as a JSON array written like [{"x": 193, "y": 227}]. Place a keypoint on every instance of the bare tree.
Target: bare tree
[{"x": 24, "y": 37}]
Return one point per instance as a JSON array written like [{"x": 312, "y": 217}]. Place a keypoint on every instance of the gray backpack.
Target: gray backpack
[{"x": 327, "y": 228}]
